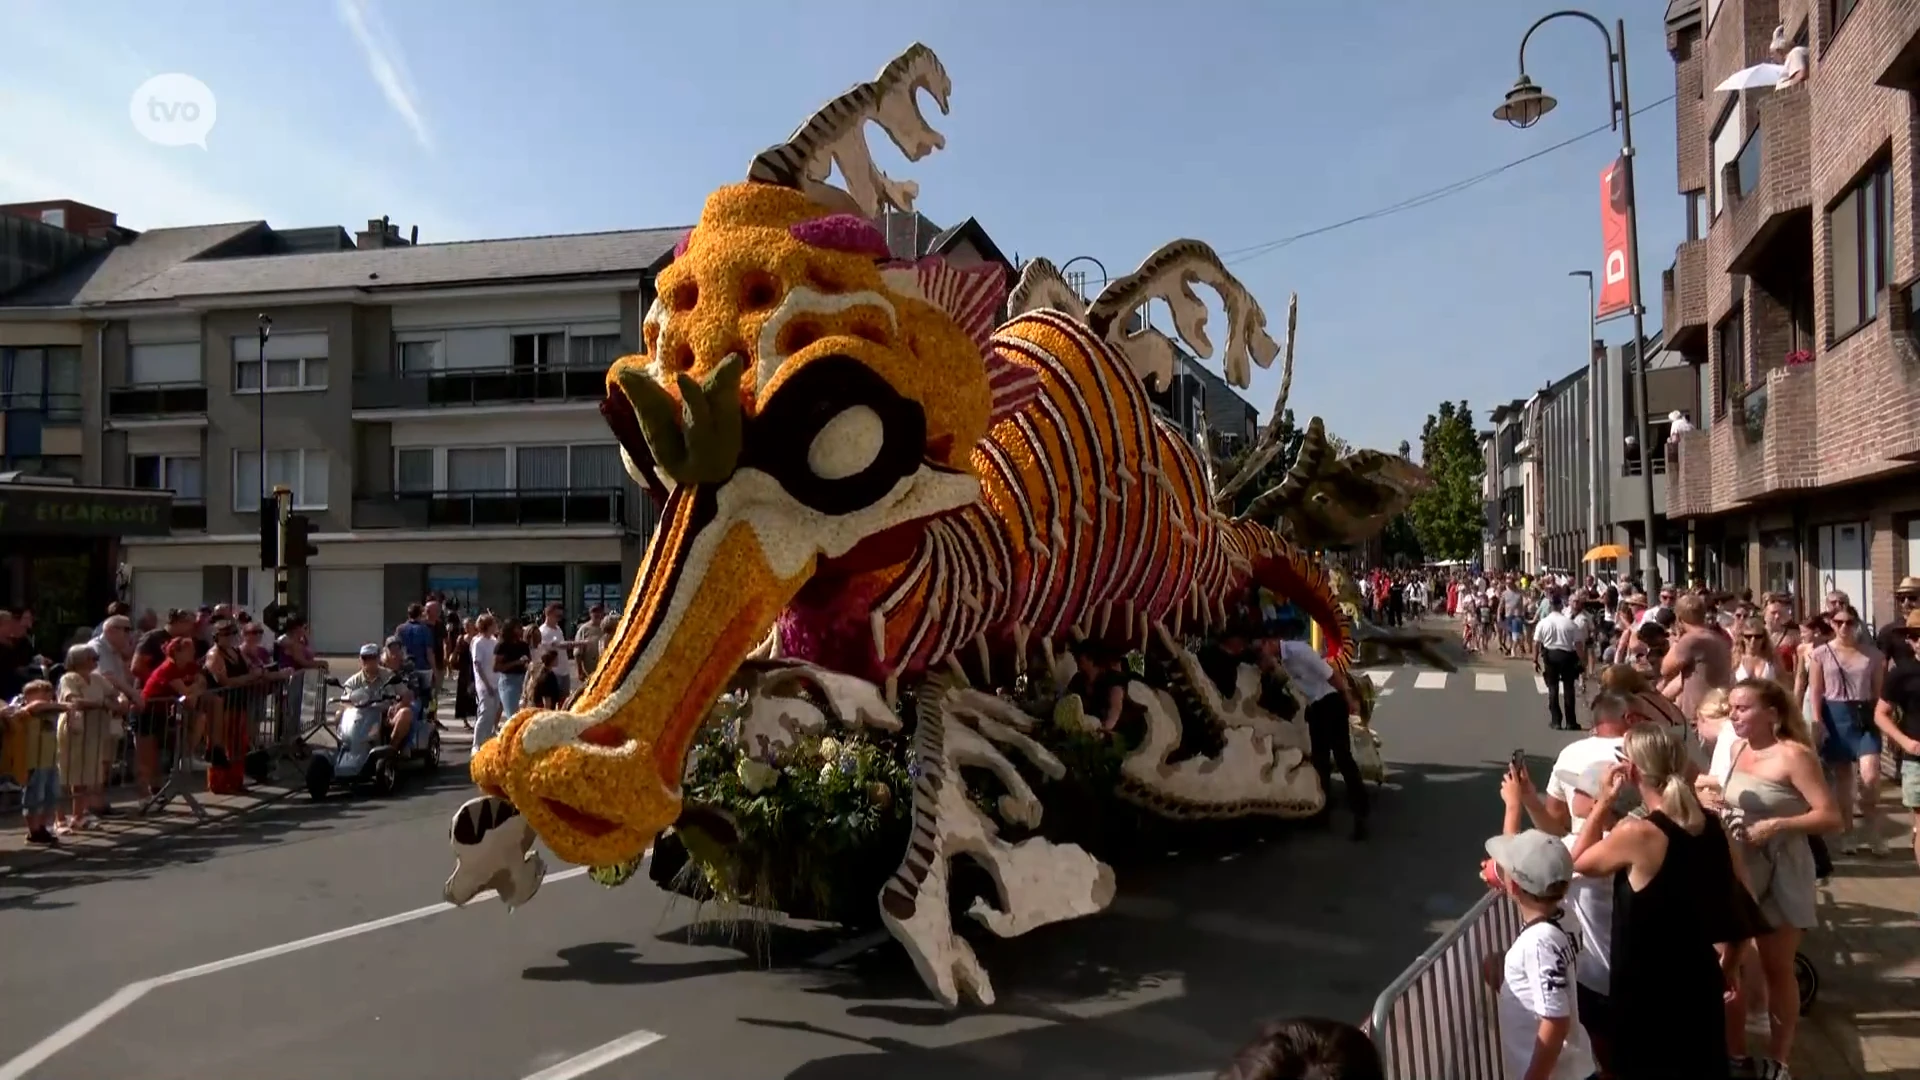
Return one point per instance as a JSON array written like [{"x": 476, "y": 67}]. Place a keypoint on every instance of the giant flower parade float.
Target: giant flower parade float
[{"x": 900, "y": 504}]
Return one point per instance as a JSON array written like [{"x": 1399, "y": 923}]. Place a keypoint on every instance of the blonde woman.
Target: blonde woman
[
  {"x": 1775, "y": 781},
  {"x": 1669, "y": 978}
]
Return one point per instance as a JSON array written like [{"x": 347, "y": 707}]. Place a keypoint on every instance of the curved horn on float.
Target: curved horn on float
[
  {"x": 1169, "y": 274},
  {"x": 836, "y": 135}
]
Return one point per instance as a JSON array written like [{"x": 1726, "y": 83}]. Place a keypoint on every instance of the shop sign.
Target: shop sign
[{"x": 52, "y": 511}]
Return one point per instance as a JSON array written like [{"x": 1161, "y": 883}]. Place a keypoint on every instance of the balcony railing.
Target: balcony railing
[
  {"x": 1632, "y": 465},
  {"x": 487, "y": 509},
  {"x": 489, "y": 386},
  {"x": 55, "y": 407},
  {"x": 155, "y": 400},
  {"x": 189, "y": 515}
]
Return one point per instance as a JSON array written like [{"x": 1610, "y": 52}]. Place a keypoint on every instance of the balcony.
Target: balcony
[
  {"x": 1767, "y": 446},
  {"x": 156, "y": 401},
  {"x": 490, "y": 509},
  {"x": 490, "y": 386},
  {"x": 189, "y": 515},
  {"x": 1898, "y": 39},
  {"x": 1683, "y": 289},
  {"x": 1770, "y": 185}
]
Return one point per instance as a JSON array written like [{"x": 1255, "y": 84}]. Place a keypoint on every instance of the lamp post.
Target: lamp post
[
  {"x": 266, "y": 331},
  {"x": 1594, "y": 461},
  {"x": 1525, "y": 104}
]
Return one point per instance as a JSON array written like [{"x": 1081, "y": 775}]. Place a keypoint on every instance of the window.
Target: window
[
  {"x": 1730, "y": 338},
  {"x": 562, "y": 468},
  {"x": 179, "y": 474},
  {"x": 1748, "y": 163},
  {"x": 162, "y": 365},
  {"x": 1860, "y": 231},
  {"x": 56, "y": 218},
  {"x": 1726, "y": 147},
  {"x": 419, "y": 357},
  {"x": 1699, "y": 215},
  {"x": 539, "y": 351},
  {"x": 1841, "y": 9},
  {"x": 294, "y": 362},
  {"x": 46, "y": 381},
  {"x": 593, "y": 350},
  {"x": 413, "y": 471},
  {"x": 304, "y": 472},
  {"x": 477, "y": 469}
]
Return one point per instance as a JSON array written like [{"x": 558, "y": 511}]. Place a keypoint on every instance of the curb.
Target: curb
[{"x": 34, "y": 858}]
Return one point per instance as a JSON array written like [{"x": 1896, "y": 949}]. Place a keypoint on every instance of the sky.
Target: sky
[{"x": 1102, "y": 128}]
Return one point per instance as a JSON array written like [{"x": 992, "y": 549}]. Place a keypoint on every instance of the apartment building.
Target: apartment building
[{"x": 1793, "y": 295}]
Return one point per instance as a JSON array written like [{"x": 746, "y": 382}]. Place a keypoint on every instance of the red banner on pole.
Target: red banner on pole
[{"x": 1616, "y": 294}]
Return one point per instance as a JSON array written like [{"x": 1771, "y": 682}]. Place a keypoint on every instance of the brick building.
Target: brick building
[{"x": 1794, "y": 294}]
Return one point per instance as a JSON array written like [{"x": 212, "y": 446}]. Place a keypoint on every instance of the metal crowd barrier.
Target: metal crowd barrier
[
  {"x": 258, "y": 725},
  {"x": 1437, "y": 1020}
]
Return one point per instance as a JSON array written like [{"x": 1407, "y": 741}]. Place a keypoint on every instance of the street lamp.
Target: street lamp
[
  {"x": 1525, "y": 104},
  {"x": 266, "y": 331},
  {"x": 1086, "y": 258}
]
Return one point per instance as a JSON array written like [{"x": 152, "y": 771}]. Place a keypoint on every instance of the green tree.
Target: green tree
[{"x": 1448, "y": 519}]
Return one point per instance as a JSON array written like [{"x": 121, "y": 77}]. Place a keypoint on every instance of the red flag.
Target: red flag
[{"x": 1616, "y": 294}]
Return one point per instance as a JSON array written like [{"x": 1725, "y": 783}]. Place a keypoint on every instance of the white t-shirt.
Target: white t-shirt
[
  {"x": 1559, "y": 631},
  {"x": 1538, "y": 985},
  {"x": 1307, "y": 669},
  {"x": 1590, "y": 899},
  {"x": 553, "y": 637},
  {"x": 483, "y": 673},
  {"x": 1579, "y": 756}
]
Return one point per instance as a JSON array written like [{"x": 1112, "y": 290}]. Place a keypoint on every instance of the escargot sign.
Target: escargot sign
[{"x": 43, "y": 511}]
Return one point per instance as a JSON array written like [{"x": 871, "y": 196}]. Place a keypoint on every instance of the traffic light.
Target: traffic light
[
  {"x": 269, "y": 533},
  {"x": 299, "y": 540}
]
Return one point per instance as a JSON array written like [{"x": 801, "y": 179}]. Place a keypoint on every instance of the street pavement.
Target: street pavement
[{"x": 306, "y": 940}]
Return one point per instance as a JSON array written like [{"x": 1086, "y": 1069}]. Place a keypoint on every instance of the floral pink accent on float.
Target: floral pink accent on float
[
  {"x": 842, "y": 232},
  {"x": 680, "y": 248}
]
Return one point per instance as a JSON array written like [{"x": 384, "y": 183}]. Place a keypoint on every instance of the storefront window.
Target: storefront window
[
  {"x": 459, "y": 585},
  {"x": 602, "y": 584},
  {"x": 1779, "y": 567},
  {"x": 540, "y": 586}
]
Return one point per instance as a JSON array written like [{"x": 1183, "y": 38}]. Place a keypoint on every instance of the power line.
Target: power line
[{"x": 1244, "y": 254}]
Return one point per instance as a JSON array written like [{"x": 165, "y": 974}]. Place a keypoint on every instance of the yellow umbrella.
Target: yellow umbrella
[{"x": 1606, "y": 551}]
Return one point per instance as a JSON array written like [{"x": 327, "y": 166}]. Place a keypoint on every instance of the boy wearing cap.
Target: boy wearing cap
[{"x": 1540, "y": 1033}]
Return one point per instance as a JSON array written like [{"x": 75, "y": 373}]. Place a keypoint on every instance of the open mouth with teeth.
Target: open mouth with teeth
[{"x": 811, "y": 416}]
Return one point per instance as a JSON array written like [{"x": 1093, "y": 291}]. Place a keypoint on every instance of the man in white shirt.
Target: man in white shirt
[
  {"x": 1330, "y": 701},
  {"x": 554, "y": 636},
  {"x": 1562, "y": 659}
]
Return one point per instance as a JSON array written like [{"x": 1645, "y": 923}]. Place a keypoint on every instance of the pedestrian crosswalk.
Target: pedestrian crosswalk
[{"x": 1390, "y": 679}]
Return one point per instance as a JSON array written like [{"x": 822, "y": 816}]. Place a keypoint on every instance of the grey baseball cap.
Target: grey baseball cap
[{"x": 1535, "y": 861}]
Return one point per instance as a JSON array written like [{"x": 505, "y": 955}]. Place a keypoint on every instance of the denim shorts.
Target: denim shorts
[
  {"x": 42, "y": 794},
  {"x": 1850, "y": 733}
]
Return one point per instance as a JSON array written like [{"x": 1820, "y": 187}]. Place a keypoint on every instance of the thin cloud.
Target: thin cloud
[{"x": 386, "y": 64}]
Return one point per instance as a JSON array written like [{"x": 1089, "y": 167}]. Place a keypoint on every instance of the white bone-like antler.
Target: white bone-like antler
[
  {"x": 1041, "y": 286},
  {"x": 1269, "y": 446},
  {"x": 1169, "y": 274},
  {"x": 836, "y": 135}
]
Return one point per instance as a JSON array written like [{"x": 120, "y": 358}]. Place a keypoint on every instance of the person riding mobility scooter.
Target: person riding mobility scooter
[{"x": 382, "y": 726}]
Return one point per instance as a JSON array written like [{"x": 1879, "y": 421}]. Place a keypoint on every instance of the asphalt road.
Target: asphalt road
[{"x": 136, "y": 965}]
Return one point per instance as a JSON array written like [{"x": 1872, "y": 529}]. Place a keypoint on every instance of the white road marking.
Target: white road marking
[
  {"x": 1386, "y": 693},
  {"x": 604, "y": 1054},
  {"x": 847, "y": 950},
  {"x": 1494, "y": 682},
  {"x": 1540, "y": 683},
  {"x": 1430, "y": 680},
  {"x": 1380, "y": 675},
  {"x": 124, "y": 998}
]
